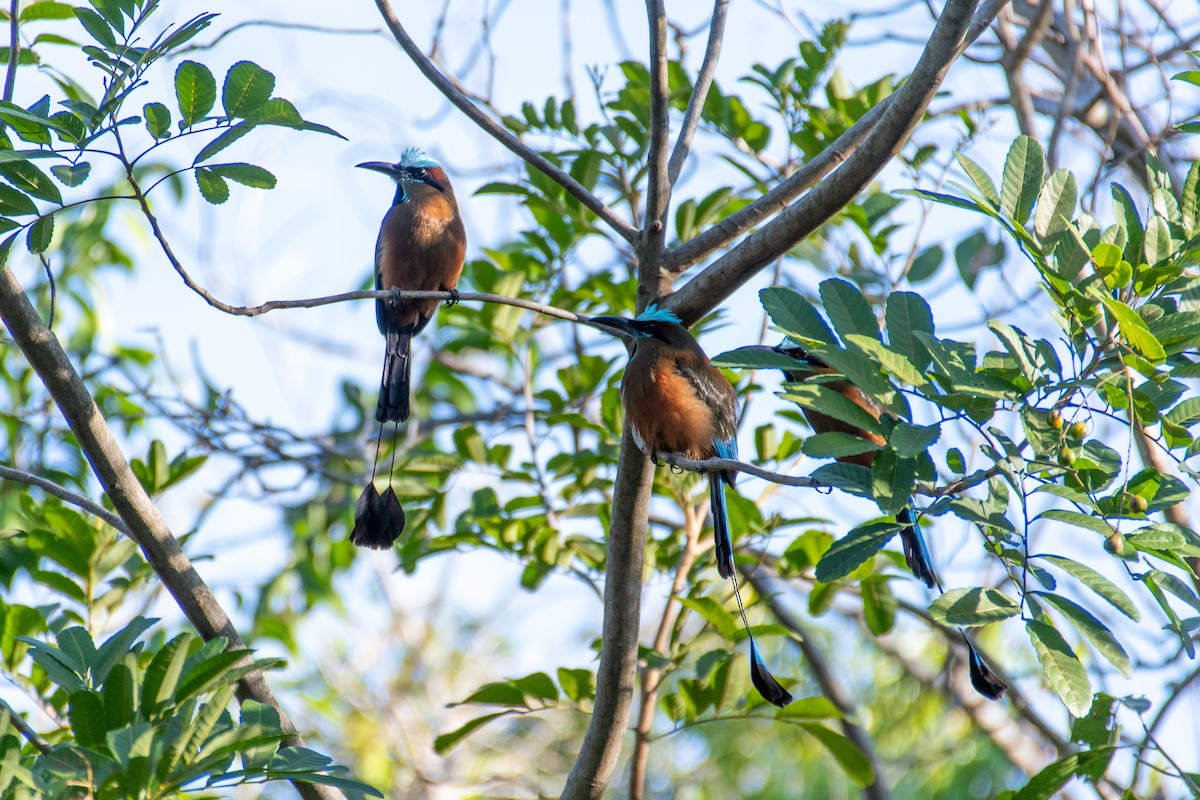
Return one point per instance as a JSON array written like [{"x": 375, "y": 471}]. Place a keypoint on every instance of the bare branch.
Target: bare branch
[
  {"x": 720, "y": 279},
  {"x": 497, "y": 131},
  {"x": 708, "y": 68},
  {"x": 724, "y": 464},
  {"x": 66, "y": 495},
  {"x": 146, "y": 524},
  {"x": 658, "y": 193},
  {"x": 616, "y": 677}
]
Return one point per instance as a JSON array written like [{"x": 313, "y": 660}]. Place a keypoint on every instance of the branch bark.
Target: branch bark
[
  {"x": 708, "y": 68},
  {"x": 145, "y": 522},
  {"x": 616, "y": 676}
]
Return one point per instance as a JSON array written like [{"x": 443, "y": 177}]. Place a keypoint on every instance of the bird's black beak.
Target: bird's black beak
[
  {"x": 615, "y": 326},
  {"x": 391, "y": 170}
]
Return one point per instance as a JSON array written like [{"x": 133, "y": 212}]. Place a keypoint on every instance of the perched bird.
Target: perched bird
[
  {"x": 916, "y": 553},
  {"x": 421, "y": 247},
  {"x": 677, "y": 403}
]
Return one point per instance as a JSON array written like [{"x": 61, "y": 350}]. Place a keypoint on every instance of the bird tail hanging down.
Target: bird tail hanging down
[
  {"x": 916, "y": 553},
  {"x": 722, "y": 541},
  {"x": 393, "y": 388}
]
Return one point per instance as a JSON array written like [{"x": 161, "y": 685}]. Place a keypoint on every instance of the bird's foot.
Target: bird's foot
[
  {"x": 453, "y": 299},
  {"x": 395, "y": 298}
]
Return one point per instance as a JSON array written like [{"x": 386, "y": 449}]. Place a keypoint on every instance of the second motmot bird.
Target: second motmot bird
[
  {"x": 916, "y": 553},
  {"x": 676, "y": 403},
  {"x": 421, "y": 247}
]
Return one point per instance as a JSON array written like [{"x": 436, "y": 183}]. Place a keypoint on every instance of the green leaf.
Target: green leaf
[
  {"x": 823, "y": 400},
  {"x": 1023, "y": 171},
  {"x": 196, "y": 92},
  {"x": 716, "y": 614},
  {"x": 968, "y": 608},
  {"x": 853, "y": 549},
  {"x": 31, "y": 180},
  {"x": 1186, "y": 413},
  {"x": 926, "y": 264},
  {"x": 117, "y": 645},
  {"x": 908, "y": 312},
  {"x": 1098, "y": 584},
  {"x": 1157, "y": 245},
  {"x": 263, "y": 716},
  {"x": 96, "y": 27},
  {"x": 849, "y": 757},
  {"x": 446, "y": 741},
  {"x": 1046, "y": 783},
  {"x": 847, "y": 309},
  {"x": 892, "y": 480},
  {"x": 85, "y": 712},
  {"x": 14, "y": 203},
  {"x": 910, "y": 441},
  {"x": 982, "y": 181},
  {"x": 228, "y": 137},
  {"x": 41, "y": 233},
  {"x": 278, "y": 111},
  {"x": 1125, "y": 211},
  {"x": 851, "y": 478},
  {"x": 247, "y": 88},
  {"x": 76, "y": 643},
  {"x": 46, "y": 10},
  {"x": 6, "y": 248},
  {"x": 245, "y": 174},
  {"x": 162, "y": 676},
  {"x": 577, "y": 684},
  {"x": 795, "y": 316},
  {"x": 835, "y": 444},
  {"x": 893, "y": 362},
  {"x": 212, "y": 186},
  {"x": 1134, "y": 329},
  {"x": 1066, "y": 675},
  {"x": 1079, "y": 520},
  {"x": 158, "y": 120},
  {"x": 1096, "y": 632},
  {"x": 1190, "y": 209},
  {"x": 1056, "y": 204},
  {"x": 879, "y": 604},
  {"x": 72, "y": 175}
]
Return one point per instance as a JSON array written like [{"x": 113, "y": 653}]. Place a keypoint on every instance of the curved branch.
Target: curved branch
[
  {"x": 708, "y": 68},
  {"x": 720, "y": 279},
  {"x": 146, "y": 524},
  {"x": 724, "y": 464},
  {"x": 18, "y": 722},
  {"x": 497, "y": 131},
  {"x": 14, "y": 50},
  {"x": 66, "y": 495}
]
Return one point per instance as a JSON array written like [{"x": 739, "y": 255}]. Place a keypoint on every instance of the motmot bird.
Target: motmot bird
[
  {"x": 421, "y": 247},
  {"x": 916, "y": 553},
  {"x": 677, "y": 403}
]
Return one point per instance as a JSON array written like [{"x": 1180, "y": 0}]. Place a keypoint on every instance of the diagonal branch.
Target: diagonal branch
[
  {"x": 498, "y": 131},
  {"x": 146, "y": 524},
  {"x": 722, "y": 233},
  {"x": 708, "y": 68},
  {"x": 720, "y": 279}
]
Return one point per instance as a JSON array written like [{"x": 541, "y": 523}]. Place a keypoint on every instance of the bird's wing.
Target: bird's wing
[
  {"x": 381, "y": 318},
  {"x": 717, "y": 394}
]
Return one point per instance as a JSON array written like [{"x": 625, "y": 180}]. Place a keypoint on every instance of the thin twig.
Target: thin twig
[
  {"x": 708, "y": 68},
  {"x": 32, "y": 736},
  {"x": 14, "y": 50},
  {"x": 723, "y": 464},
  {"x": 498, "y": 131},
  {"x": 64, "y": 494},
  {"x": 658, "y": 192}
]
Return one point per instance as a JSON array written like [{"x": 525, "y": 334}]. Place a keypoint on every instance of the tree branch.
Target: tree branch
[
  {"x": 146, "y": 524},
  {"x": 498, "y": 131},
  {"x": 616, "y": 677},
  {"x": 720, "y": 279},
  {"x": 66, "y": 495},
  {"x": 708, "y": 68},
  {"x": 14, "y": 50},
  {"x": 18, "y": 722},
  {"x": 658, "y": 193},
  {"x": 738, "y": 223}
]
